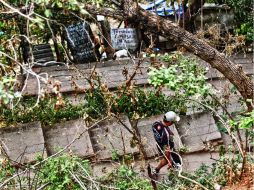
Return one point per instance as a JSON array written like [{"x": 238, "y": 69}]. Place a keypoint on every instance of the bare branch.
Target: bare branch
[{"x": 14, "y": 10}]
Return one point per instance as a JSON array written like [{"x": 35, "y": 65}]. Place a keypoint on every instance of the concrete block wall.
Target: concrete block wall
[
  {"x": 24, "y": 142},
  {"x": 197, "y": 130},
  {"x": 72, "y": 78},
  {"x": 101, "y": 140}
]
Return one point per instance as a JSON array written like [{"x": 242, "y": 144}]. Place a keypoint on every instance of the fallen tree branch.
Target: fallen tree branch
[{"x": 181, "y": 37}]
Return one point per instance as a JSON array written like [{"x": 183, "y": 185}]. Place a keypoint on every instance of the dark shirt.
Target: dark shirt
[{"x": 163, "y": 136}]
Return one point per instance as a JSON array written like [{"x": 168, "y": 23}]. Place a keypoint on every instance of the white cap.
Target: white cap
[{"x": 171, "y": 116}]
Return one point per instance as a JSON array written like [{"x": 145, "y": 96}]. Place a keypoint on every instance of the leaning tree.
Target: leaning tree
[{"x": 129, "y": 9}]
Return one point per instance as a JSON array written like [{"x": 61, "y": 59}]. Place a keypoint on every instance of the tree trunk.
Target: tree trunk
[{"x": 107, "y": 39}]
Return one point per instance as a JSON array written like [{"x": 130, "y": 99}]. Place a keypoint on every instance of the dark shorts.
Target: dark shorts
[{"x": 162, "y": 147}]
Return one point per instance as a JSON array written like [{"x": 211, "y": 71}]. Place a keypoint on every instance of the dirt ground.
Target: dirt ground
[{"x": 246, "y": 182}]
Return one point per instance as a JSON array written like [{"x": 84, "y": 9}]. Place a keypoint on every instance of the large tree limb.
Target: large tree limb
[
  {"x": 200, "y": 48},
  {"x": 92, "y": 9}
]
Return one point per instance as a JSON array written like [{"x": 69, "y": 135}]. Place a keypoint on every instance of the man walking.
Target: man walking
[{"x": 164, "y": 138}]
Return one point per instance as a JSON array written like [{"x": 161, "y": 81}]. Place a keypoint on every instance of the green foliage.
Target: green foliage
[
  {"x": 201, "y": 175},
  {"x": 114, "y": 155},
  {"x": 243, "y": 14},
  {"x": 175, "y": 183},
  {"x": 6, "y": 89},
  {"x": 125, "y": 178},
  {"x": 247, "y": 122},
  {"x": 6, "y": 169},
  {"x": 242, "y": 9},
  {"x": 45, "y": 111},
  {"x": 146, "y": 103},
  {"x": 247, "y": 30},
  {"x": 67, "y": 172},
  {"x": 243, "y": 122},
  {"x": 207, "y": 176},
  {"x": 57, "y": 172},
  {"x": 220, "y": 170},
  {"x": 48, "y": 13},
  {"x": 184, "y": 77},
  {"x": 95, "y": 106},
  {"x": 140, "y": 103}
]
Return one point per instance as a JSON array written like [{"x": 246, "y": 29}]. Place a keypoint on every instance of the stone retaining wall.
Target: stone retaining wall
[
  {"x": 73, "y": 78},
  {"x": 23, "y": 143}
]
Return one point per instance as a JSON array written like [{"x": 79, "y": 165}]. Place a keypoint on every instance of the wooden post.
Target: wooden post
[
  {"x": 54, "y": 38},
  {"x": 152, "y": 177},
  {"x": 107, "y": 39}
]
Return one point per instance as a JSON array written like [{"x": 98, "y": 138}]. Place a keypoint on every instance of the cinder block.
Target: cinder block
[
  {"x": 62, "y": 134},
  {"x": 110, "y": 135},
  {"x": 195, "y": 160},
  {"x": 23, "y": 143},
  {"x": 196, "y": 129}
]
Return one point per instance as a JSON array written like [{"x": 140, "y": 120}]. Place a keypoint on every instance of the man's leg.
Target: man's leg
[{"x": 165, "y": 160}]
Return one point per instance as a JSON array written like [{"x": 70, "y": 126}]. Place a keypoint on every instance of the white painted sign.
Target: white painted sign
[
  {"x": 124, "y": 38},
  {"x": 100, "y": 18}
]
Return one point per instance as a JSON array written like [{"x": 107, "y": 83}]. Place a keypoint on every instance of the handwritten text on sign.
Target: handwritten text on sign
[
  {"x": 80, "y": 43},
  {"x": 123, "y": 38}
]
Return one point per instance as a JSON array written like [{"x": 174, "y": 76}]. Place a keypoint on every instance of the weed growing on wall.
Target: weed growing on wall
[
  {"x": 45, "y": 111},
  {"x": 183, "y": 77},
  {"x": 137, "y": 103},
  {"x": 140, "y": 103}
]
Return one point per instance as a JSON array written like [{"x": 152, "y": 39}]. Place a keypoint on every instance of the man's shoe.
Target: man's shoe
[{"x": 155, "y": 173}]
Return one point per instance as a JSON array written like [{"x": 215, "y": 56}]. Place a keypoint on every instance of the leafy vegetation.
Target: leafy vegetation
[
  {"x": 243, "y": 15},
  {"x": 45, "y": 111},
  {"x": 141, "y": 103},
  {"x": 6, "y": 90},
  {"x": 58, "y": 172},
  {"x": 148, "y": 103},
  {"x": 70, "y": 172},
  {"x": 183, "y": 77},
  {"x": 95, "y": 104},
  {"x": 126, "y": 178}
]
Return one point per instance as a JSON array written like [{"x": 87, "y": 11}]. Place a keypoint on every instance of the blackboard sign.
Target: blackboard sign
[
  {"x": 79, "y": 42},
  {"x": 43, "y": 53},
  {"x": 124, "y": 38}
]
